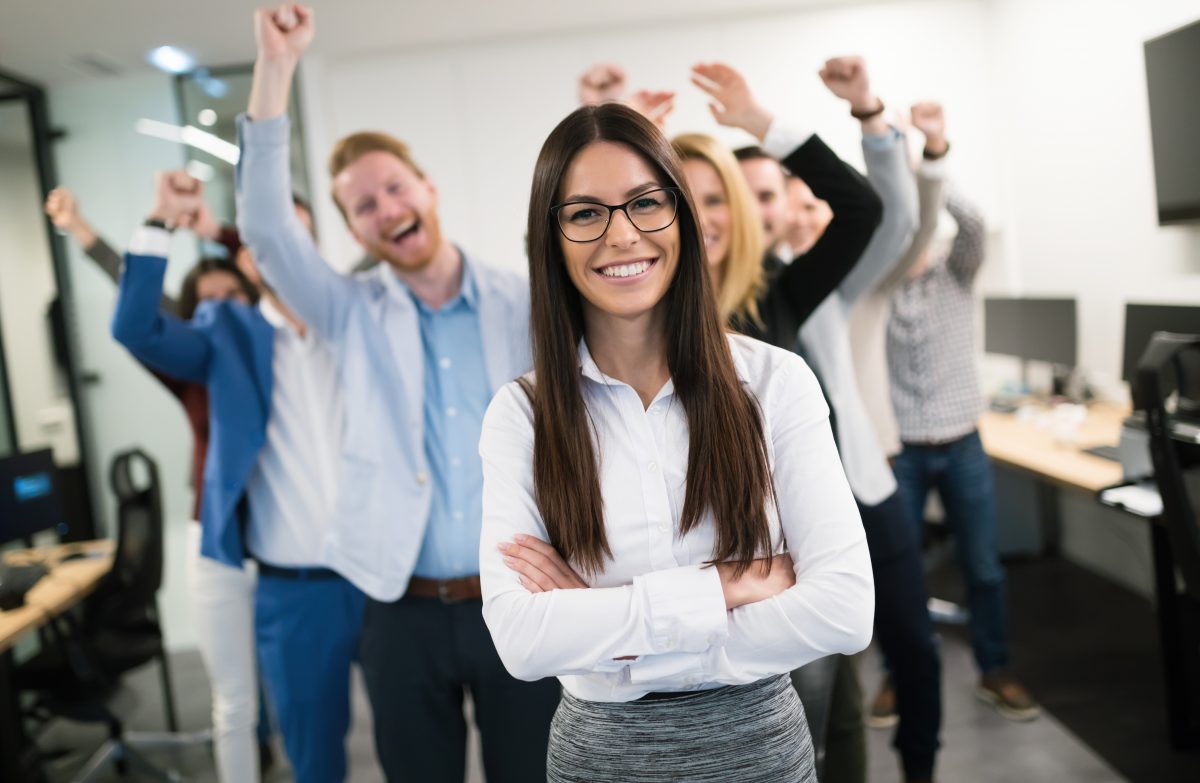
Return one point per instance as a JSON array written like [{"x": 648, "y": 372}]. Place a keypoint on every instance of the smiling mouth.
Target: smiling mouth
[
  {"x": 403, "y": 231},
  {"x": 628, "y": 269}
]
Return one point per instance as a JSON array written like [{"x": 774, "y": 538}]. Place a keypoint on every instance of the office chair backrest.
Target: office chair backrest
[
  {"x": 137, "y": 570},
  {"x": 1171, "y": 365}
]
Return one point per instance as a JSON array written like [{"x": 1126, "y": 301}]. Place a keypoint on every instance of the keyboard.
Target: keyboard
[
  {"x": 1104, "y": 452},
  {"x": 15, "y": 581}
]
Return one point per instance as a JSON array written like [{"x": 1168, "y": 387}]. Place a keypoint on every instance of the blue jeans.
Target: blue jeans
[
  {"x": 307, "y": 632},
  {"x": 962, "y": 474}
]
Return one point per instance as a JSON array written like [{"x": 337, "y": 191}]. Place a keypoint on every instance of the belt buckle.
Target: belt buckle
[{"x": 444, "y": 593}]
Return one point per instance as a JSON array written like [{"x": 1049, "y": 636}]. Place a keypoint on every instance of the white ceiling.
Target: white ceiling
[{"x": 46, "y": 41}]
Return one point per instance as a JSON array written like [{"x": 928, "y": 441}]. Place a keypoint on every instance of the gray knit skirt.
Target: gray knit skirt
[{"x": 753, "y": 733}]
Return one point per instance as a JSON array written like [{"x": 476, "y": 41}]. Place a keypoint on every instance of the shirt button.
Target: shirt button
[
  {"x": 662, "y": 528},
  {"x": 422, "y": 478},
  {"x": 455, "y": 462},
  {"x": 452, "y": 411},
  {"x": 458, "y": 515},
  {"x": 652, "y": 467},
  {"x": 445, "y": 363}
]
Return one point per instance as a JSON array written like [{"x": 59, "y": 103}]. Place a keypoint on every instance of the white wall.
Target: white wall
[
  {"x": 1073, "y": 137},
  {"x": 111, "y": 170}
]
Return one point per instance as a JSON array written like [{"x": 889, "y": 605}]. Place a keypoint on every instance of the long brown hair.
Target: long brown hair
[{"x": 728, "y": 472}]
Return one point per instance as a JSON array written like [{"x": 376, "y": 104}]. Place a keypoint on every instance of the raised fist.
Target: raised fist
[
  {"x": 601, "y": 83},
  {"x": 928, "y": 118},
  {"x": 283, "y": 31},
  {"x": 61, "y": 208},
  {"x": 846, "y": 77},
  {"x": 733, "y": 104},
  {"x": 178, "y": 198}
]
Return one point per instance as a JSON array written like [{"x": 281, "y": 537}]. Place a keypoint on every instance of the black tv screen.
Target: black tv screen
[{"x": 1173, "y": 86}]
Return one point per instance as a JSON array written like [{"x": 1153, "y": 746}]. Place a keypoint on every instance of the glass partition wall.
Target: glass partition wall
[{"x": 39, "y": 387}]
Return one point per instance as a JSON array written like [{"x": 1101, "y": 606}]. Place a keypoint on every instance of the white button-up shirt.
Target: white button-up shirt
[
  {"x": 292, "y": 489},
  {"x": 656, "y": 599}
]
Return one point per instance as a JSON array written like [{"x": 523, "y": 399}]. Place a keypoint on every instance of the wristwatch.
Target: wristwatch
[
  {"x": 157, "y": 223},
  {"x": 927, "y": 155}
]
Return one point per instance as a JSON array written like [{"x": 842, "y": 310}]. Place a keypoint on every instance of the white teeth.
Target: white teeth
[
  {"x": 402, "y": 229},
  {"x": 626, "y": 270}
]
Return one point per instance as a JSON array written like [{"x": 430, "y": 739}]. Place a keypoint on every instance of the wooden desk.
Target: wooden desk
[
  {"x": 1029, "y": 445},
  {"x": 1023, "y": 444},
  {"x": 65, "y": 586}
]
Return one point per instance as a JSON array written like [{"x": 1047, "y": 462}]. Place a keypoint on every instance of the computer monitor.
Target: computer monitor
[
  {"x": 29, "y": 500},
  {"x": 1143, "y": 320},
  {"x": 1040, "y": 330}
]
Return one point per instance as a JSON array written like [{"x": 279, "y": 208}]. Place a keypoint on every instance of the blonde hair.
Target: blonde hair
[
  {"x": 350, "y": 148},
  {"x": 741, "y": 277}
]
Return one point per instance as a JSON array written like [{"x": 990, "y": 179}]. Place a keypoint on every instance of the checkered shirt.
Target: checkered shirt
[{"x": 931, "y": 339}]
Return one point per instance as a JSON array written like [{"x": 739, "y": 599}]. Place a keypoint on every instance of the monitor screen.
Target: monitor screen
[
  {"x": 1041, "y": 330},
  {"x": 1172, "y": 73},
  {"x": 29, "y": 501},
  {"x": 1143, "y": 320}
]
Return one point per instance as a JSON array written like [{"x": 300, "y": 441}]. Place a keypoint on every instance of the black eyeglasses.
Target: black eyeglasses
[{"x": 586, "y": 221}]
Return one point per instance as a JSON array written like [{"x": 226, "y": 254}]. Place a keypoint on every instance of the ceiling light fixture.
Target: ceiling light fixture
[{"x": 171, "y": 59}]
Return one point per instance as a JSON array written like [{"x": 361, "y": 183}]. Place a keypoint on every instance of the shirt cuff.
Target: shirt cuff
[
  {"x": 783, "y": 139},
  {"x": 686, "y": 608},
  {"x": 882, "y": 142},
  {"x": 686, "y": 669},
  {"x": 150, "y": 241},
  {"x": 932, "y": 169},
  {"x": 276, "y": 130}
]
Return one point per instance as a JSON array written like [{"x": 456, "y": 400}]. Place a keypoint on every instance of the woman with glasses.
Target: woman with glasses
[{"x": 667, "y": 528}]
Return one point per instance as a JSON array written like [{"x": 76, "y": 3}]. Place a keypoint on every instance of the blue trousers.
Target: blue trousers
[
  {"x": 307, "y": 632},
  {"x": 962, "y": 474}
]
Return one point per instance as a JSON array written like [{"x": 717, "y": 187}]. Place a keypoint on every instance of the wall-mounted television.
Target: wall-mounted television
[{"x": 1173, "y": 86}]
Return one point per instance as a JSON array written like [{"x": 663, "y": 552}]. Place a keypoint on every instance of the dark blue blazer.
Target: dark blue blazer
[{"x": 228, "y": 347}]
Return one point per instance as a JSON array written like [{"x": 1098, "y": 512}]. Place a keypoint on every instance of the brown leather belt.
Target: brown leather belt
[{"x": 449, "y": 591}]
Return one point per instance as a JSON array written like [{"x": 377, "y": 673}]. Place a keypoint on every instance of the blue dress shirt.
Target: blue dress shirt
[{"x": 456, "y": 397}]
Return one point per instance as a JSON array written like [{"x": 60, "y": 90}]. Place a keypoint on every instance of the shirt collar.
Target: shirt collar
[
  {"x": 468, "y": 291},
  {"x": 588, "y": 368}
]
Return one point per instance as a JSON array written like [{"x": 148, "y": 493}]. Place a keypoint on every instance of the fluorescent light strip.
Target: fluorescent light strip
[{"x": 192, "y": 137}]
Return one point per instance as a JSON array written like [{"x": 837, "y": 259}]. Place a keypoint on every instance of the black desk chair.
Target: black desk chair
[
  {"x": 1170, "y": 368},
  {"x": 118, "y": 631}
]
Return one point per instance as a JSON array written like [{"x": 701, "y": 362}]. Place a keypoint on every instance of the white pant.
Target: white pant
[{"x": 223, "y": 604}]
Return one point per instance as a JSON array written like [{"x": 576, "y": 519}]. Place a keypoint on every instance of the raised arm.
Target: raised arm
[
  {"x": 63, "y": 210},
  {"x": 285, "y": 251},
  {"x": 857, "y": 212},
  {"x": 154, "y": 336},
  {"x": 927, "y": 118},
  {"x": 886, "y": 156},
  {"x": 856, "y": 208},
  {"x": 967, "y": 252}
]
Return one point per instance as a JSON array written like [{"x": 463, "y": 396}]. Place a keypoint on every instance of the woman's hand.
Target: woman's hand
[
  {"x": 539, "y": 566},
  {"x": 734, "y": 105},
  {"x": 764, "y": 579}
]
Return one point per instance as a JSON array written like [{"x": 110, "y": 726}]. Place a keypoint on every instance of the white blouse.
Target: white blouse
[{"x": 656, "y": 599}]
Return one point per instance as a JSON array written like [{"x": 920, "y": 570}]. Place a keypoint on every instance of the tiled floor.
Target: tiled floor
[{"x": 979, "y": 745}]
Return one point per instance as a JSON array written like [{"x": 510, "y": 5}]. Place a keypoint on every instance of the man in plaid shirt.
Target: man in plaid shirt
[{"x": 935, "y": 393}]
